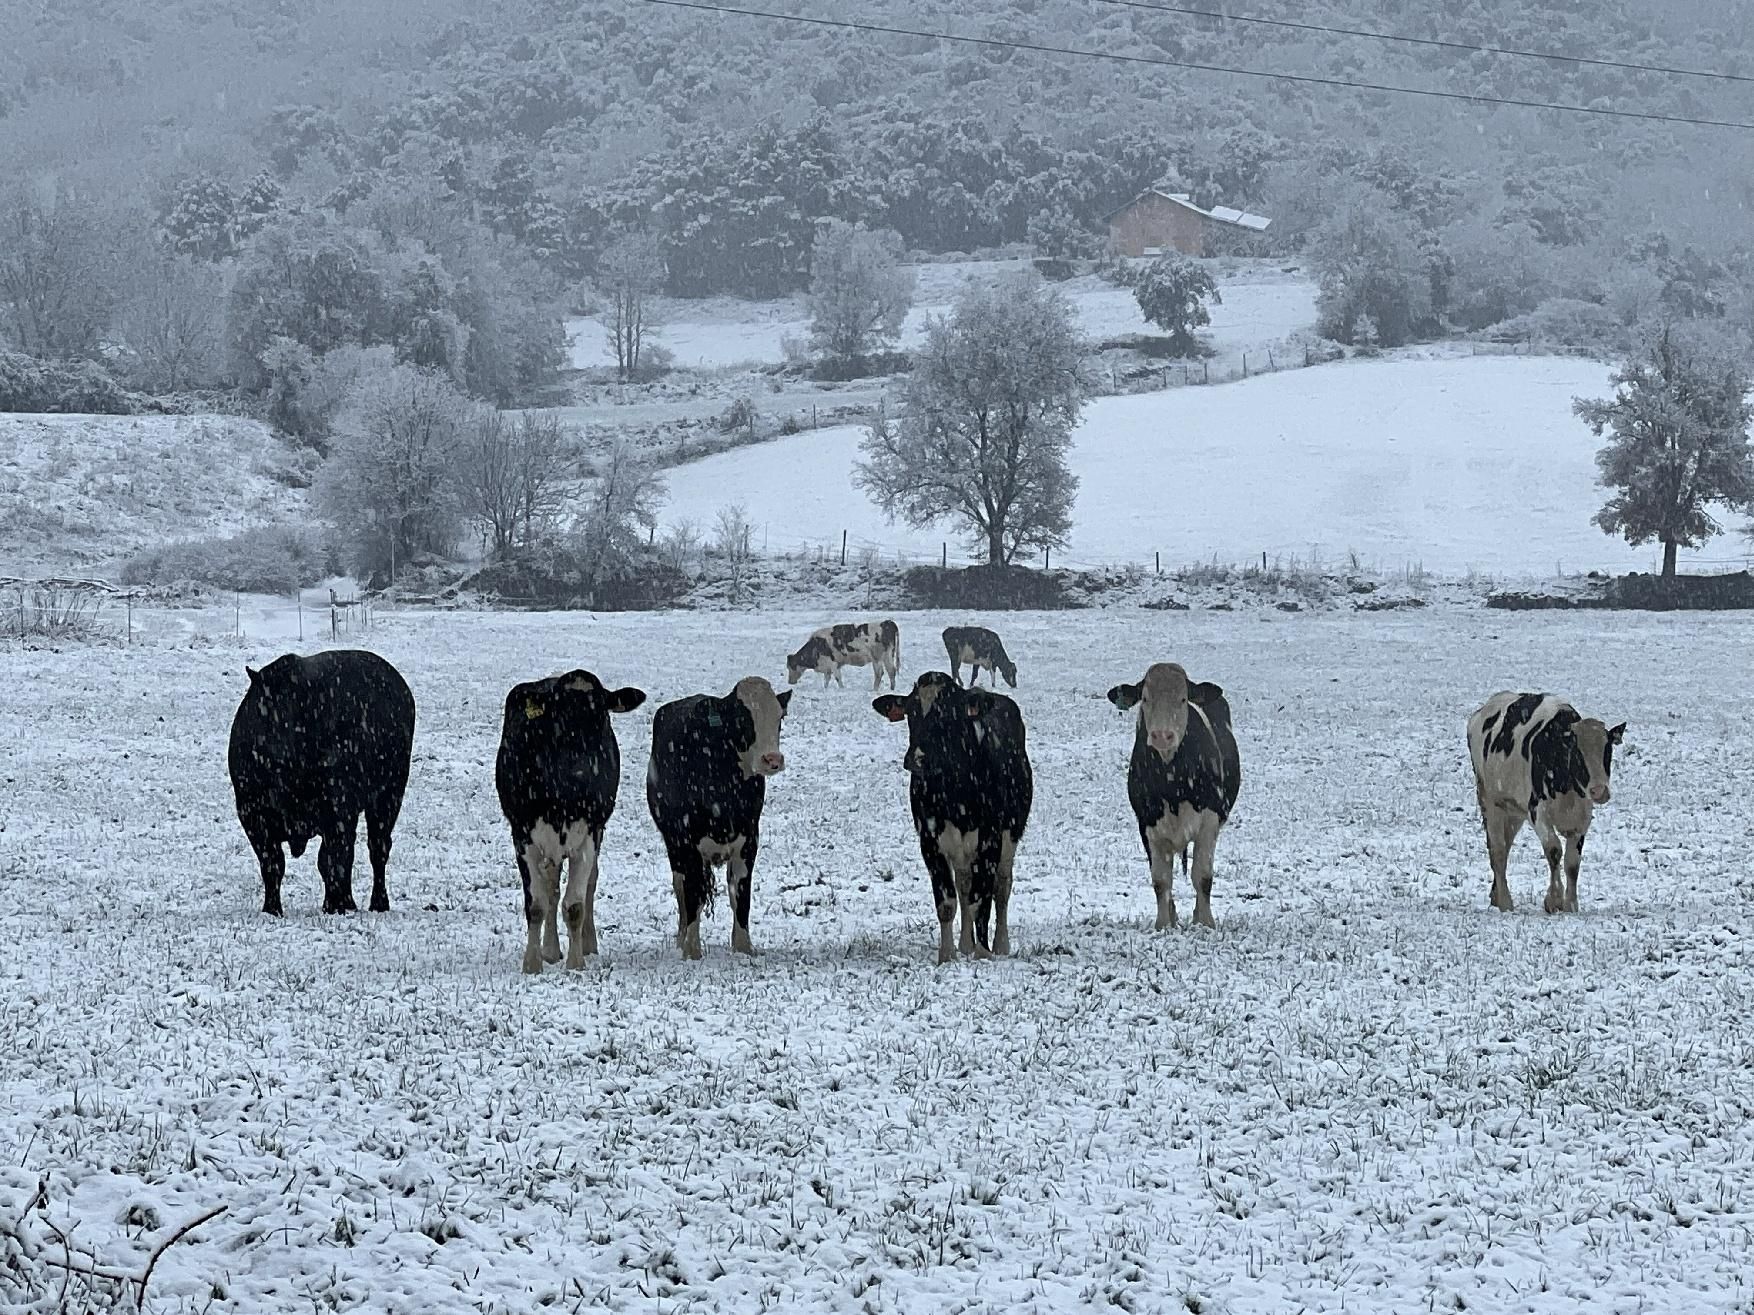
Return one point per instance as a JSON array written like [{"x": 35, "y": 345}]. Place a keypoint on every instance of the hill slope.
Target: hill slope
[
  {"x": 79, "y": 491},
  {"x": 1458, "y": 465}
]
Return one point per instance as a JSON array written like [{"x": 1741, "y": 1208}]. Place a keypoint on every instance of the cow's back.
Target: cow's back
[{"x": 1497, "y": 733}]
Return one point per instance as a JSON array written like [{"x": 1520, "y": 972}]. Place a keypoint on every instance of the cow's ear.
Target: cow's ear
[
  {"x": 1617, "y": 734},
  {"x": 892, "y": 706},
  {"x": 1125, "y": 696},
  {"x": 1567, "y": 717},
  {"x": 977, "y": 703},
  {"x": 785, "y": 701},
  {"x": 254, "y": 675},
  {"x": 1205, "y": 692},
  {"x": 626, "y": 699}
]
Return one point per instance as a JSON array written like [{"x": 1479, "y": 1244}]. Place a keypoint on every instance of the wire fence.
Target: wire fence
[{"x": 67, "y": 608}]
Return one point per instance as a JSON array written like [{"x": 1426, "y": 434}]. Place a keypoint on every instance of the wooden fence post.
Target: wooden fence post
[
  {"x": 1158, "y": 558},
  {"x": 843, "y": 546},
  {"x": 130, "y": 600}
]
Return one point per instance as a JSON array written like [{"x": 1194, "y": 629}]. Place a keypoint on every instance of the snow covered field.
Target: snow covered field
[
  {"x": 1260, "y": 306},
  {"x": 1459, "y": 465},
  {"x": 1363, "y": 1092}
]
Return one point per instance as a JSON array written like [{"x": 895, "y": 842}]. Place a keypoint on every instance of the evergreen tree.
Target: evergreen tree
[
  {"x": 1679, "y": 419},
  {"x": 1172, "y": 294}
]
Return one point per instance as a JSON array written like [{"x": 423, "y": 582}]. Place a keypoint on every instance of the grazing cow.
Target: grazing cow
[
  {"x": 711, "y": 758},
  {"x": 1536, "y": 760},
  {"x": 970, "y": 791},
  {"x": 833, "y": 647},
  {"x": 557, "y": 774},
  {"x": 1182, "y": 780},
  {"x": 981, "y": 649},
  {"x": 317, "y": 741}
]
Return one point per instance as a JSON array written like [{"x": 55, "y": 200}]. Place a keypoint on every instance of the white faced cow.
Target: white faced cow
[
  {"x": 1536, "y": 760},
  {"x": 829, "y": 649},
  {"x": 707, "y": 782},
  {"x": 1183, "y": 779}
]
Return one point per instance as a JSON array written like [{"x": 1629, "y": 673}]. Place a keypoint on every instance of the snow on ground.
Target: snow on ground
[
  {"x": 1459, "y": 465},
  {"x": 1260, "y": 306},
  {"x": 1363, "y": 1092},
  {"x": 90, "y": 489}
]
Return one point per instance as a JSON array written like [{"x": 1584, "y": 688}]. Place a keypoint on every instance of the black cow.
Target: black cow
[
  {"x": 557, "y": 774},
  {"x": 711, "y": 758},
  {"x": 981, "y": 649},
  {"x": 970, "y": 791},
  {"x": 1182, "y": 781},
  {"x": 317, "y": 741}
]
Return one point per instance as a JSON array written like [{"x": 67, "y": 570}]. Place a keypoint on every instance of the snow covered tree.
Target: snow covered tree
[
  {"x": 509, "y": 475},
  {"x": 987, "y": 419},
  {"x": 58, "y": 272},
  {"x": 629, "y": 274},
  {"x": 1172, "y": 292},
  {"x": 390, "y": 482},
  {"x": 859, "y": 292},
  {"x": 1371, "y": 266},
  {"x": 619, "y": 517},
  {"x": 1679, "y": 419}
]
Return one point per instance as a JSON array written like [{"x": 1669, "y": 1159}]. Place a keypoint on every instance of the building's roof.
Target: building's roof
[{"x": 1220, "y": 214}]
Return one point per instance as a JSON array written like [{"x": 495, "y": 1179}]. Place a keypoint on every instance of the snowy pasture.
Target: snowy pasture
[
  {"x": 1362, "y": 1092},
  {"x": 1261, "y": 305},
  {"x": 1458, "y": 465}
]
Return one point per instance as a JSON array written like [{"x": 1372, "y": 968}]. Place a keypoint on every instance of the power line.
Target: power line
[
  {"x": 1289, "y": 24},
  {"x": 1162, "y": 61}
]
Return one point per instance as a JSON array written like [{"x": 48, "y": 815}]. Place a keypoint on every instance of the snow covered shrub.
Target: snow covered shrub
[
  {"x": 271, "y": 559},
  {"x": 69, "y": 387},
  {"x": 1565, "y": 322}
]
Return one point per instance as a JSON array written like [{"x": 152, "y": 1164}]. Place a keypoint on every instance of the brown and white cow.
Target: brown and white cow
[
  {"x": 1537, "y": 760},
  {"x": 873, "y": 644},
  {"x": 1182, "y": 780}
]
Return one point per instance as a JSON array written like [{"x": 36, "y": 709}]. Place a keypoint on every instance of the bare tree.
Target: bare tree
[
  {"x": 859, "y": 292},
  {"x": 57, "y": 273},
  {"x": 390, "y": 481},
  {"x": 620, "y": 517},
  {"x": 629, "y": 274},
  {"x": 510, "y": 473},
  {"x": 173, "y": 321},
  {"x": 731, "y": 533},
  {"x": 989, "y": 412}
]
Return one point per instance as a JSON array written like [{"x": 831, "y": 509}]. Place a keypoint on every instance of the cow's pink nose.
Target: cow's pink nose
[
  {"x": 1600, "y": 794},
  {"x": 1164, "y": 740},
  {"x": 773, "y": 762}
]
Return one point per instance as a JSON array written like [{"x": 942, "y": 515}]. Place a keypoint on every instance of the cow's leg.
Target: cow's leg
[
  {"x": 838, "y": 682},
  {"x": 1501, "y": 828},
  {"x": 1002, "y": 897},
  {"x": 380, "y": 824},
  {"x": 1161, "y": 850},
  {"x": 535, "y": 905},
  {"x": 1205, "y": 849},
  {"x": 983, "y": 890},
  {"x": 272, "y": 859},
  {"x": 693, "y": 880},
  {"x": 1554, "y": 848},
  {"x": 580, "y": 902},
  {"x": 956, "y": 671},
  {"x": 740, "y": 877},
  {"x": 335, "y": 865},
  {"x": 1573, "y": 863},
  {"x": 944, "y": 896}
]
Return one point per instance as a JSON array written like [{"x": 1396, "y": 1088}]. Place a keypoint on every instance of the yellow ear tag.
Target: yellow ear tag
[{"x": 532, "y": 709}]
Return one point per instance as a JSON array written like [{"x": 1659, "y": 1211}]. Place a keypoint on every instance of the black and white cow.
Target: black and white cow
[
  {"x": 557, "y": 775},
  {"x": 981, "y": 649},
  {"x": 877, "y": 645},
  {"x": 1182, "y": 780},
  {"x": 315, "y": 742},
  {"x": 970, "y": 790},
  {"x": 1537, "y": 761},
  {"x": 711, "y": 758}
]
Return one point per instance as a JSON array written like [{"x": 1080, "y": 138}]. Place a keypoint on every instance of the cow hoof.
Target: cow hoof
[
  {"x": 981, "y": 952},
  {"x": 1165, "y": 922},
  {"x": 1204, "y": 920},
  {"x": 380, "y": 904},
  {"x": 533, "y": 965},
  {"x": 273, "y": 910},
  {"x": 946, "y": 956},
  {"x": 551, "y": 955},
  {"x": 743, "y": 945}
]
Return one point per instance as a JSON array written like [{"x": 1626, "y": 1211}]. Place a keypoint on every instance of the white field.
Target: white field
[
  {"x": 86, "y": 489},
  {"x": 1260, "y": 306},
  {"x": 1470, "y": 464},
  {"x": 1363, "y": 1092}
]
